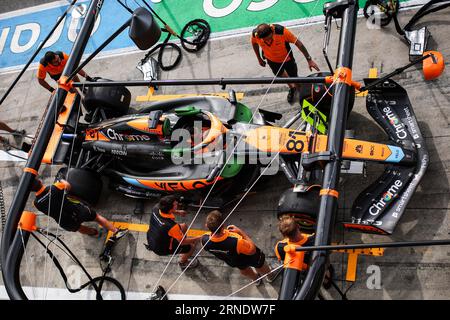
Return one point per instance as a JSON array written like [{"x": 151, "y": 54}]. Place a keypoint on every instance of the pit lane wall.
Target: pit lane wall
[{"x": 22, "y": 31}]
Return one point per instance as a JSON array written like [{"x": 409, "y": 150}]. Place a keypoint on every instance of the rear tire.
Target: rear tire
[
  {"x": 85, "y": 184},
  {"x": 303, "y": 207},
  {"x": 114, "y": 100}
]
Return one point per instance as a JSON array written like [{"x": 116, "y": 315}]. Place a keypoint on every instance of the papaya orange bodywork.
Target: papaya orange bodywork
[
  {"x": 95, "y": 135},
  {"x": 287, "y": 141},
  {"x": 142, "y": 125},
  {"x": 63, "y": 117}
]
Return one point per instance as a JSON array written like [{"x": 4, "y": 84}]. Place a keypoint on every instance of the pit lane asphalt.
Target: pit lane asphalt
[{"x": 408, "y": 273}]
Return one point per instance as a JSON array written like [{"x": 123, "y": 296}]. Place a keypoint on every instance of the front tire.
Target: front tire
[
  {"x": 304, "y": 207},
  {"x": 85, "y": 184},
  {"x": 114, "y": 100}
]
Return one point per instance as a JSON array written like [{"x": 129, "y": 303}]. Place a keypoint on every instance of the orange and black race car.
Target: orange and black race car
[{"x": 186, "y": 145}]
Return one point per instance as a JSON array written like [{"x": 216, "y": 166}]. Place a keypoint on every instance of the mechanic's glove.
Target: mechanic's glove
[{"x": 51, "y": 89}]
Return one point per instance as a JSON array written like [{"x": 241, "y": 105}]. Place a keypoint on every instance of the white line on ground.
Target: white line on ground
[{"x": 63, "y": 294}]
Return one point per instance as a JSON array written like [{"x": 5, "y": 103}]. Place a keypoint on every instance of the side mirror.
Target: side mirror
[
  {"x": 144, "y": 31},
  {"x": 433, "y": 66}
]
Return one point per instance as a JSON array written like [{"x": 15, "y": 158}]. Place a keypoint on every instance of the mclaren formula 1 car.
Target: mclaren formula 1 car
[{"x": 186, "y": 145}]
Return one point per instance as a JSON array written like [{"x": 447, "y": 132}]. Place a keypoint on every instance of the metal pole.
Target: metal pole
[
  {"x": 11, "y": 267},
  {"x": 395, "y": 72},
  {"x": 190, "y": 82},
  {"x": 338, "y": 119},
  {"x": 290, "y": 282},
  {"x": 40, "y": 146},
  {"x": 403, "y": 244},
  {"x": 100, "y": 48},
  {"x": 125, "y": 7},
  {"x": 36, "y": 53}
]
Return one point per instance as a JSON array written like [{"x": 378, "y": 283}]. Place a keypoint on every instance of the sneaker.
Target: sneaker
[
  {"x": 159, "y": 294},
  {"x": 25, "y": 147},
  {"x": 120, "y": 233},
  {"x": 184, "y": 265},
  {"x": 290, "y": 96}
]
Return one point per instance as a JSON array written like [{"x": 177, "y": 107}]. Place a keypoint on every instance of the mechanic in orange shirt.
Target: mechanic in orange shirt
[
  {"x": 53, "y": 63},
  {"x": 290, "y": 230},
  {"x": 164, "y": 234},
  {"x": 274, "y": 40},
  {"x": 233, "y": 246}
]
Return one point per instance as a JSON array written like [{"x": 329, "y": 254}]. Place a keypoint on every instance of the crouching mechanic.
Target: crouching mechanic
[
  {"x": 69, "y": 212},
  {"x": 235, "y": 248},
  {"x": 165, "y": 236},
  {"x": 290, "y": 230}
]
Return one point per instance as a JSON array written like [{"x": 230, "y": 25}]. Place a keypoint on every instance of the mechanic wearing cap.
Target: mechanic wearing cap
[
  {"x": 165, "y": 235},
  {"x": 53, "y": 63},
  {"x": 274, "y": 41},
  {"x": 68, "y": 211},
  {"x": 233, "y": 246}
]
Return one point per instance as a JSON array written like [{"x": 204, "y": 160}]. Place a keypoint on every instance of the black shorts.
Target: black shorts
[
  {"x": 75, "y": 214},
  {"x": 289, "y": 66},
  {"x": 256, "y": 260},
  {"x": 55, "y": 76},
  {"x": 185, "y": 248}
]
